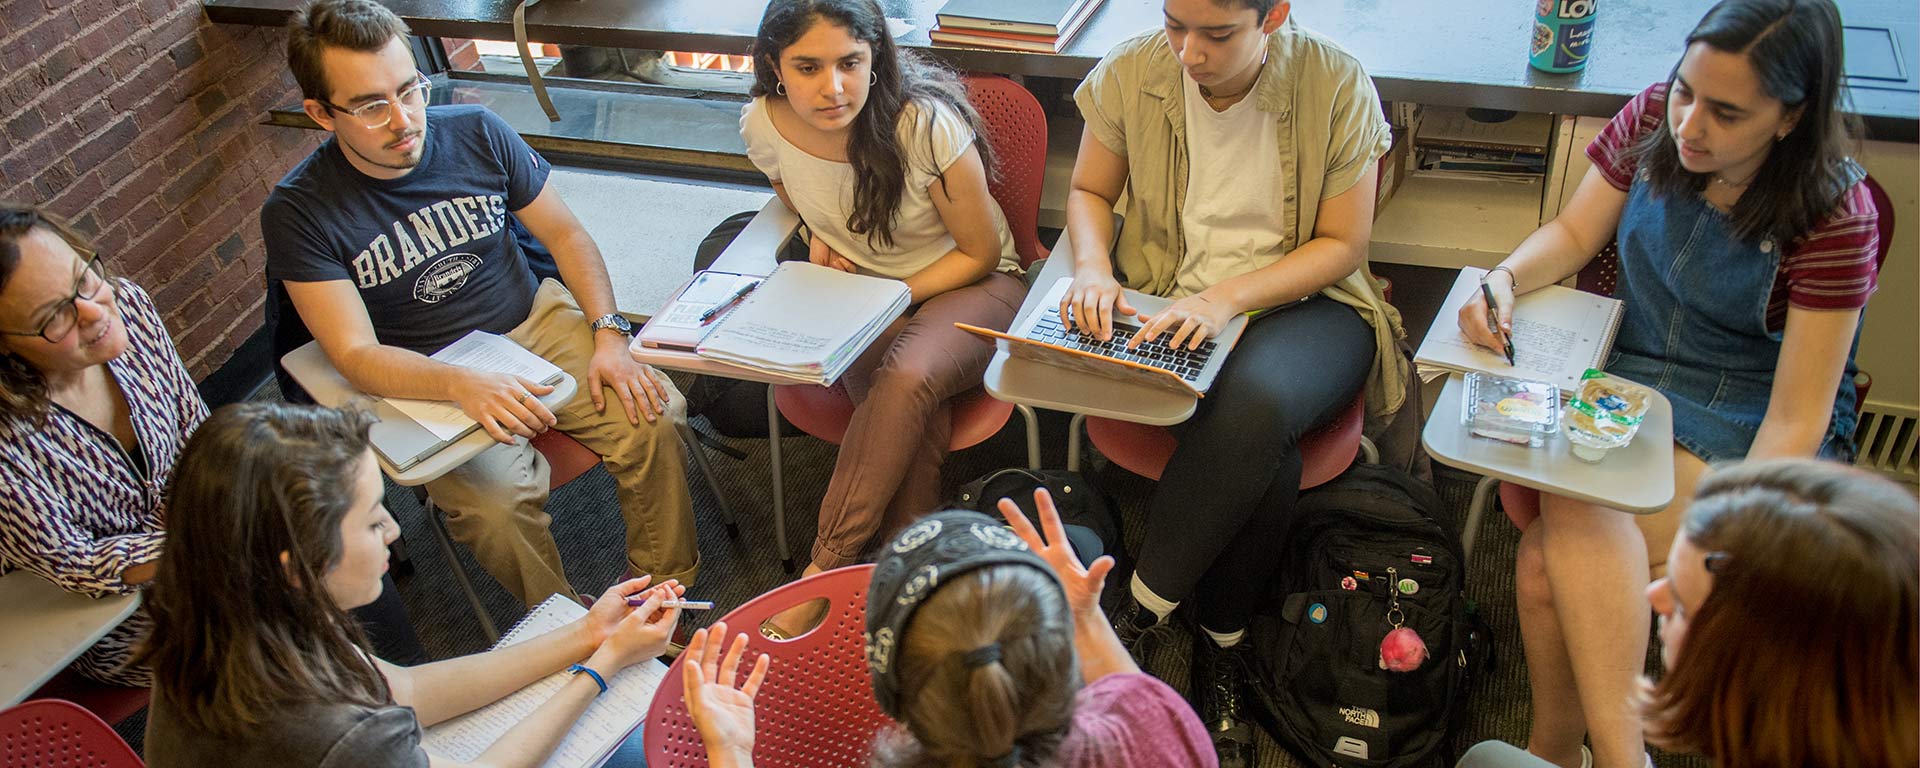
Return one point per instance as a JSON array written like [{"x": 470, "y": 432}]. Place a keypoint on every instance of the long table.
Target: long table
[{"x": 1464, "y": 53}]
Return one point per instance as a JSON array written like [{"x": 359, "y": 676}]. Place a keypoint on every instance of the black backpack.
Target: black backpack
[{"x": 1367, "y": 552}]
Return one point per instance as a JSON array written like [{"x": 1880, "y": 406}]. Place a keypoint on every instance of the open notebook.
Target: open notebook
[
  {"x": 1558, "y": 333},
  {"x": 607, "y": 722}
]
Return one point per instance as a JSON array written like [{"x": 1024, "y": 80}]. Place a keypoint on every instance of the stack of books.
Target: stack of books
[
  {"x": 1482, "y": 143},
  {"x": 1037, "y": 26}
]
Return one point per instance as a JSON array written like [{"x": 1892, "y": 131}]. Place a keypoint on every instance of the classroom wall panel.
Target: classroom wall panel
[{"x": 140, "y": 121}]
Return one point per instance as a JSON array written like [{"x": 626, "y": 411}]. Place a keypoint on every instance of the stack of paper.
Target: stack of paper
[
  {"x": 807, "y": 321},
  {"x": 1458, "y": 142}
]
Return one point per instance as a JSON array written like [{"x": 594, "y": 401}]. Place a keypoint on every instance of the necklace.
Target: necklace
[{"x": 1742, "y": 184}]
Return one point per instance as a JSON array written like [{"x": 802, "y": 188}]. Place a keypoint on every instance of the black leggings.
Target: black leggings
[{"x": 1221, "y": 512}]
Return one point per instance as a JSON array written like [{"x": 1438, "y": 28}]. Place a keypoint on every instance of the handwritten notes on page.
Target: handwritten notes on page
[{"x": 607, "y": 722}]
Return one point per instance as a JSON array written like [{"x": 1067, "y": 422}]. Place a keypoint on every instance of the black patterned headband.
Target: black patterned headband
[{"x": 927, "y": 554}]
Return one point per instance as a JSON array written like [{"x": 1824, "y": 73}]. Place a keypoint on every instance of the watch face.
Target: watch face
[{"x": 618, "y": 322}]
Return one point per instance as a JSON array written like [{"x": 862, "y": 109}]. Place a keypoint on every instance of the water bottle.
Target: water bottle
[{"x": 1562, "y": 34}]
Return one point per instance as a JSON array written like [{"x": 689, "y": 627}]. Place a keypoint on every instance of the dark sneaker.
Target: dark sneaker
[
  {"x": 1221, "y": 677},
  {"x": 1139, "y": 630}
]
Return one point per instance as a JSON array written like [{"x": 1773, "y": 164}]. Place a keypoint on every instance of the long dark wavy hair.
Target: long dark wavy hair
[
  {"x": 900, "y": 77},
  {"x": 23, "y": 389},
  {"x": 1796, "y": 49},
  {"x": 238, "y": 637}
]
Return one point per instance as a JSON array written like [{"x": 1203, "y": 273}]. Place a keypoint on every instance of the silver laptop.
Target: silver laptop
[{"x": 1043, "y": 336}]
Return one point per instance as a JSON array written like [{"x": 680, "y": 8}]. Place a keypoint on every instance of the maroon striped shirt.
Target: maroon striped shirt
[{"x": 1833, "y": 267}]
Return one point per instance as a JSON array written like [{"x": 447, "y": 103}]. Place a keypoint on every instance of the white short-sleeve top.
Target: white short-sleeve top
[{"x": 933, "y": 136}]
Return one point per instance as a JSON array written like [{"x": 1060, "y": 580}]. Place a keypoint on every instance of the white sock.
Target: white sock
[
  {"x": 1159, "y": 606},
  {"x": 1226, "y": 639}
]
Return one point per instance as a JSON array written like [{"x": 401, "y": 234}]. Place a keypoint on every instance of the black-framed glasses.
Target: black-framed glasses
[
  {"x": 379, "y": 112},
  {"x": 66, "y": 316}
]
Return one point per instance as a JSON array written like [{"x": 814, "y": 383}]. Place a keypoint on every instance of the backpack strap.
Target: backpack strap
[{"x": 526, "y": 59}]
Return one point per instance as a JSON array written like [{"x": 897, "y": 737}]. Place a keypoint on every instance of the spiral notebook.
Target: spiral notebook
[
  {"x": 1558, "y": 333},
  {"x": 806, "y": 321},
  {"x": 607, "y": 722}
]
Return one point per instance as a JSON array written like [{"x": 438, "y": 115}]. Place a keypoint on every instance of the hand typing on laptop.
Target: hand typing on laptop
[{"x": 1191, "y": 320}]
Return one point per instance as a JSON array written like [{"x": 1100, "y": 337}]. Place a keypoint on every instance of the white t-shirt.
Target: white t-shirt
[
  {"x": 822, "y": 190},
  {"x": 1233, "y": 217}
]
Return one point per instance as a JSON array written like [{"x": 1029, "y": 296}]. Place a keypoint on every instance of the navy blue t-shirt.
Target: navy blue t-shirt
[{"x": 431, "y": 251}]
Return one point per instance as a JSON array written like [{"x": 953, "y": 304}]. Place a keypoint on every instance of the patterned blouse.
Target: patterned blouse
[{"x": 76, "y": 508}]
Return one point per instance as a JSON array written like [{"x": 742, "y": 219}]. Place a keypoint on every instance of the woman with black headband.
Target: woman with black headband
[{"x": 989, "y": 647}]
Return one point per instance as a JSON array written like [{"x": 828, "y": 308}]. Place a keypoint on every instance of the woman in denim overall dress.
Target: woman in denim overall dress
[{"x": 1748, "y": 243}]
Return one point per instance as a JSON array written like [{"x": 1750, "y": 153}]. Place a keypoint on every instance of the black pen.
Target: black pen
[
  {"x": 1493, "y": 318},
  {"x": 722, "y": 306}
]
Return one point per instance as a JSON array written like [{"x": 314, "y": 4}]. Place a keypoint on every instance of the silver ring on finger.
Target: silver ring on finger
[{"x": 522, "y": 397}]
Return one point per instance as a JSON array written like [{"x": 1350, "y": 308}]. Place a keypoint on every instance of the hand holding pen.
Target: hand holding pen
[{"x": 1487, "y": 319}]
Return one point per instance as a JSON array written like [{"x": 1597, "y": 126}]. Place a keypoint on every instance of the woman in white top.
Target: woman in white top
[{"x": 882, "y": 157}]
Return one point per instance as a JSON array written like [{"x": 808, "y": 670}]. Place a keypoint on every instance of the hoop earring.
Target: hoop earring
[
  {"x": 873, "y": 79},
  {"x": 780, "y": 87}
]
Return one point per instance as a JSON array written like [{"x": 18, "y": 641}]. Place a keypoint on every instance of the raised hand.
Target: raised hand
[
  {"x": 722, "y": 713},
  {"x": 1082, "y": 584}
]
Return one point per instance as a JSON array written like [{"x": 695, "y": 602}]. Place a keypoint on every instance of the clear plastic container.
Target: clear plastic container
[
  {"x": 1517, "y": 411},
  {"x": 1604, "y": 414}
]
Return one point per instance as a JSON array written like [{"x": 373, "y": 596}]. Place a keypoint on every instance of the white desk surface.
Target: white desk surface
[
  {"x": 46, "y": 628},
  {"x": 1637, "y": 478},
  {"x": 1026, "y": 382},
  {"x": 309, "y": 366}
]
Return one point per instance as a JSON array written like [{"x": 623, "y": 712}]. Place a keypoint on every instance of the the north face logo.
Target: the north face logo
[{"x": 1361, "y": 716}]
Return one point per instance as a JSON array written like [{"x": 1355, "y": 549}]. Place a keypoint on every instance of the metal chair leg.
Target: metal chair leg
[
  {"x": 445, "y": 540},
  {"x": 1033, "y": 435},
  {"x": 1476, "y": 509},
  {"x": 1074, "y": 432},
  {"x": 779, "y": 487},
  {"x": 697, "y": 453}
]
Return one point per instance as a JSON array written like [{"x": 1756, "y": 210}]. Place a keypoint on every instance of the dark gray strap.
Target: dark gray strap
[{"x": 526, "y": 59}]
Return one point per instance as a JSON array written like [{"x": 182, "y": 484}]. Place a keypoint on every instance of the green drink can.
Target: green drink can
[{"x": 1562, "y": 34}]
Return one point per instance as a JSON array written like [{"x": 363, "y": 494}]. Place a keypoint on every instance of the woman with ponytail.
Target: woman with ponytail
[{"x": 1007, "y": 662}]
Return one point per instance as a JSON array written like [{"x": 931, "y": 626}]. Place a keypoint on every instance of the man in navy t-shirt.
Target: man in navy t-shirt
[{"x": 393, "y": 240}]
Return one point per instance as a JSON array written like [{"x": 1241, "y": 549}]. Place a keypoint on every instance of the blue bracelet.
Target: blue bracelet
[{"x": 579, "y": 668}]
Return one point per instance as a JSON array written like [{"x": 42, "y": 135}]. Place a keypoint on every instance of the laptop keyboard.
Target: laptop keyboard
[{"x": 1184, "y": 362}]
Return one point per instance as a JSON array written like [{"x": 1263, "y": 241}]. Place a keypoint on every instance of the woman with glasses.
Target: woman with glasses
[{"x": 94, "y": 407}]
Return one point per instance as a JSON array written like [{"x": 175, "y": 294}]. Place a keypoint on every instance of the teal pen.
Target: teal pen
[{"x": 1493, "y": 318}]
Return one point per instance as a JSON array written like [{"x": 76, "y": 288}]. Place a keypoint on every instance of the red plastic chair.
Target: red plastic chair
[
  {"x": 1144, "y": 449},
  {"x": 1522, "y": 504},
  {"x": 51, "y": 733},
  {"x": 816, "y": 707},
  {"x": 1016, "y": 127}
]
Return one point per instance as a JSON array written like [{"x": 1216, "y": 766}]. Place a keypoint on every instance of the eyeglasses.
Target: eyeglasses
[
  {"x": 93, "y": 276},
  {"x": 377, "y": 113}
]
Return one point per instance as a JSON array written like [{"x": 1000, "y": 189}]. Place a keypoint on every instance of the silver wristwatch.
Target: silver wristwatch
[{"x": 615, "y": 321}]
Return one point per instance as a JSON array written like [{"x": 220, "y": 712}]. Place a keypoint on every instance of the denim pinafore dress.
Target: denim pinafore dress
[{"x": 1696, "y": 324}]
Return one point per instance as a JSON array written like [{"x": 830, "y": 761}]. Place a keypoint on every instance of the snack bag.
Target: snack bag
[{"x": 1604, "y": 414}]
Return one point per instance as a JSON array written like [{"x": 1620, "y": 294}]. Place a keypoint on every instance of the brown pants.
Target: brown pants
[
  {"x": 889, "y": 468},
  {"x": 496, "y": 503}
]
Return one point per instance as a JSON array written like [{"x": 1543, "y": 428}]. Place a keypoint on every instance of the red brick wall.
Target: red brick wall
[{"x": 140, "y": 121}]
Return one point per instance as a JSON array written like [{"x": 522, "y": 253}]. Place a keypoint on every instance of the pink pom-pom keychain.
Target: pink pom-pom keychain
[{"x": 1401, "y": 650}]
